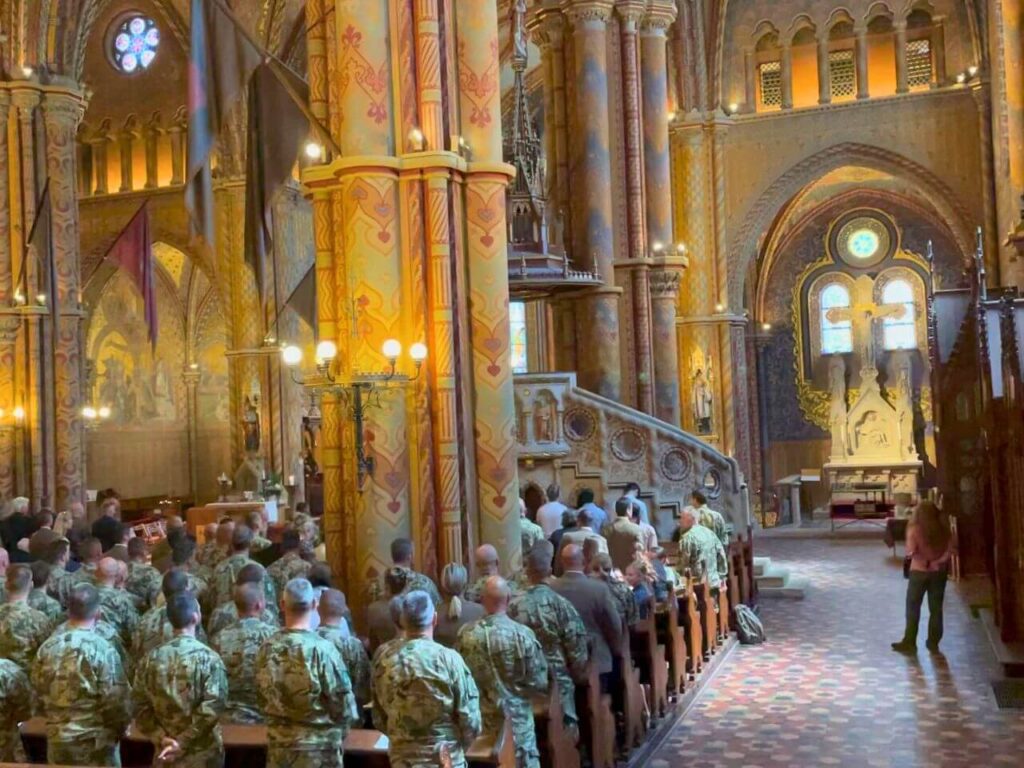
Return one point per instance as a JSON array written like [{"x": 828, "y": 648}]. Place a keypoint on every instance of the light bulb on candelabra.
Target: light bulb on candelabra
[
  {"x": 657, "y": 247},
  {"x": 681, "y": 249},
  {"x": 291, "y": 355},
  {"x": 326, "y": 351},
  {"x": 103, "y": 412},
  {"x": 88, "y": 412},
  {"x": 719, "y": 307},
  {"x": 416, "y": 138},
  {"x": 18, "y": 413},
  {"x": 40, "y": 298},
  {"x": 391, "y": 349},
  {"x": 313, "y": 150},
  {"x": 19, "y": 297},
  {"x": 27, "y": 71},
  {"x": 766, "y": 327},
  {"x": 734, "y": 108},
  {"x": 418, "y": 352},
  {"x": 962, "y": 77},
  {"x": 972, "y": 70}
]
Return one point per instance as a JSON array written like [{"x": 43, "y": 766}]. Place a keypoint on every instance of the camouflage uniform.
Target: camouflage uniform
[
  {"x": 154, "y": 630},
  {"x": 22, "y": 630},
  {"x": 713, "y": 520},
  {"x": 417, "y": 580},
  {"x": 702, "y": 552},
  {"x": 259, "y": 543},
  {"x": 45, "y": 604},
  {"x": 108, "y": 632},
  {"x": 475, "y": 590},
  {"x": 357, "y": 663},
  {"x": 624, "y": 601},
  {"x": 119, "y": 609},
  {"x": 180, "y": 691},
  {"x": 144, "y": 582},
  {"x": 224, "y": 574},
  {"x": 509, "y": 667},
  {"x": 306, "y": 697},
  {"x": 530, "y": 533},
  {"x": 424, "y": 698},
  {"x": 15, "y": 706},
  {"x": 206, "y": 552},
  {"x": 84, "y": 693},
  {"x": 289, "y": 567},
  {"x": 226, "y": 615},
  {"x": 560, "y": 632},
  {"x": 59, "y": 584},
  {"x": 238, "y": 646}
]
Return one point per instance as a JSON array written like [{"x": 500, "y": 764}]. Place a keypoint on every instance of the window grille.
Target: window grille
[
  {"x": 919, "y": 63},
  {"x": 842, "y": 76},
  {"x": 770, "y": 74}
]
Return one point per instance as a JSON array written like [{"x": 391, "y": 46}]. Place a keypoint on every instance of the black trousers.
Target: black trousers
[{"x": 921, "y": 583}]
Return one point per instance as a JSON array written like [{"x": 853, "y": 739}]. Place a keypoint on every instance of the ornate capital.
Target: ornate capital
[
  {"x": 5, "y": 103},
  {"x": 664, "y": 283},
  {"x": 631, "y": 11},
  {"x": 25, "y": 101},
  {"x": 660, "y": 16},
  {"x": 582, "y": 11},
  {"x": 63, "y": 110},
  {"x": 546, "y": 27}
]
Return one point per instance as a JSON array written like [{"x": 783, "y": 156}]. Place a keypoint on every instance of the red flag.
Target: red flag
[{"x": 132, "y": 252}]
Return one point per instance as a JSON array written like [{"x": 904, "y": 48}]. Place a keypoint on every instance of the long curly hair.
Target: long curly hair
[{"x": 933, "y": 524}]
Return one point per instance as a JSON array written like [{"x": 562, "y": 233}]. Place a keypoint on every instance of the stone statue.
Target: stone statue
[
  {"x": 871, "y": 432},
  {"x": 837, "y": 406},
  {"x": 544, "y": 421},
  {"x": 702, "y": 403},
  {"x": 251, "y": 425}
]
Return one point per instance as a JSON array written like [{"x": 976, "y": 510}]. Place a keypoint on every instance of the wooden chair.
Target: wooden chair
[{"x": 556, "y": 744}]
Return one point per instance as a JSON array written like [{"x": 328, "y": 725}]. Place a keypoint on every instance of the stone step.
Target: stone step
[
  {"x": 795, "y": 588},
  {"x": 772, "y": 576},
  {"x": 761, "y": 564}
]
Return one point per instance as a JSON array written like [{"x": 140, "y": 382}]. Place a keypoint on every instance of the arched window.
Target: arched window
[
  {"x": 517, "y": 331},
  {"x": 837, "y": 333},
  {"x": 899, "y": 331}
]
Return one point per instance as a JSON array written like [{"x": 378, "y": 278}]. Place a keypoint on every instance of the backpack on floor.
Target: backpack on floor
[{"x": 749, "y": 626}]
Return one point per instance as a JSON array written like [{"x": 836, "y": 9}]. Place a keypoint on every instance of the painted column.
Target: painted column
[
  {"x": 900, "y": 32},
  {"x": 494, "y": 418},
  {"x": 8, "y": 324},
  {"x": 786, "y": 74},
  {"x": 658, "y": 188},
  {"x": 62, "y": 113},
  {"x": 998, "y": 261},
  {"x": 598, "y": 317},
  {"x": 824, "y": 87},
  {"x": 191, "y": 376},
  {"x": 635, "y": 273},
  {"x": 860, "y": 55}
]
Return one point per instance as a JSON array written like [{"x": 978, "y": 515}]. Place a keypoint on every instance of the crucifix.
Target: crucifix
[{"x": 869, "y": 313}]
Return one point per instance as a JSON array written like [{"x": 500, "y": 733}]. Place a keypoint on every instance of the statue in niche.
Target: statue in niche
[
  {"x": 310, "y": 466},
  {"x": 544, "y": 421},
  {"x": 702, "y": 403},
  {"x": 837, "y": 408},
  {"x": 251, "y": 425},
  {"x": 871, "y": 432}
]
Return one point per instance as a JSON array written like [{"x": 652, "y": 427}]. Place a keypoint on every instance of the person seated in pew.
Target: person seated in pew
[
  {"x": 227, "y": 615},
  {"x": 143, "y": 579},
  {"x": 380, "y": 624},
  {"x": 291, "y": 564},
  {"x": 15, "y": 707},
  {"x": 117, "y": 605},
  {"x": 181, "y": 690},
  {"x": 509, "y": 667},
  {"x": 81, "y": 687},
  {"x": 455, "y": 611},
  {"x": 558, "y": 628},
  {"x": 332, "y": 608},
  {"x": 659, "y": 561},
  {"x": 238, "y": 644},
  {"x": 701, "y": 552},
  {"x": 402, "y": 557},
  {"x": 38, "y": 598},
  {"x": 710, "y": 518},
  {"x": 155, "y": 627},
  {"x": 601, "y": 568},
  {"x": 22, "y": 628},
  {"x": 305, "y": 691},
  {"x": 487, "y": 565},
  {"x": 639, "y": 580},
  {"x": 424, "y": 697}
]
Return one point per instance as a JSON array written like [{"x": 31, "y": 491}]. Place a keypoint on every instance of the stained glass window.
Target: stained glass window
[
  {"x": 134, "y": 44},
  {"x": 899, "y": 331},
  {"x": 517, "y": 328},
  {"x": 837, "y": 333}
]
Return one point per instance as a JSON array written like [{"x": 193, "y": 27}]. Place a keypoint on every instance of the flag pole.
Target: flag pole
[{"x": 274, "y": 63}]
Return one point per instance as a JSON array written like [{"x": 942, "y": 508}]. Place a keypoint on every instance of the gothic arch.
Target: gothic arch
[{"x": 758, "y": 218}]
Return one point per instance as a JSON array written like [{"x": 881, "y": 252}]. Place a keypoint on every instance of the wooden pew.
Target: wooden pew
[
  {"x": 366, "y": 748},
  {"x": 557, "y": 746},
  {"x": 670, "y": 635},
  {"x": 693, "y": 628},
  {"x": 634, "y": 700},
  {"x": 723, "y": 616},
  {"x": 651, "y": 663},
  {"x": 597, "y": 723}
]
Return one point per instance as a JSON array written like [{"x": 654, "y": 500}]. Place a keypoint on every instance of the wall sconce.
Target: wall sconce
[
  {"x": 362, "y": 391},
  {"x": 719, "y": 308},
  {"x": 18, "y": 413},
  {"x": 417, "y": 140},
  {"x": 766, "y": 327},
  {"x": 734, "y": 108},
  {"x": 314, "y": 151},
  {"x": 972, "y": 70}
]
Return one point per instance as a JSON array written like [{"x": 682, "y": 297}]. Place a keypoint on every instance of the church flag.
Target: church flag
[
  {"x": 222, "y": 57},
  {"x": 132, "y": 252},
  {"x": 277, "y": 130},
  {"x": 303, "y": 298}
]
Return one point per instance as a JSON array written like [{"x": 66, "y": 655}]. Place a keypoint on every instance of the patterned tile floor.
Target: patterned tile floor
[{"x": 826, "y": 690}]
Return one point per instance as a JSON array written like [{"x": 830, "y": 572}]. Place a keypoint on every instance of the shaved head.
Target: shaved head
[
  {"x": 107, "y": 571},
  {"x": 332, "y": 606},
  {"x": 496, "y": 595},
  {"x": 249, "y": 600},
  {"x": 225, "y": 532},
  {"x": 486, "y": 558},
  {"x": 571, "y": 557},
  {"x": 538, "y": 560},
  {"x": 210, "y": 531}
]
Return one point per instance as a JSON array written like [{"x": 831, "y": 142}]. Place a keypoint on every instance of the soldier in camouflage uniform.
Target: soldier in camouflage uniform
[
  {"x": 238, "y": 646},
  {"x": 226, "y": 572},
  {"x": 118, "y": 607},
  {"x": 143, "y": 579},
  {"x": 15, "y": 707},
  {"x": 486, "y": 559},
  {"x": 181, "y": 689},
  {"x": 90, "y": 552},
  {"x": 290, "y": 565},
  {"x": 701, "y": 551},
  {"x": 255, "y": 520},
  {"x": 333, "y": 627},
  {"x": 205, "y": 552},
  {"x": 530, "y": 533},
  {"x": 304, "y": 689},
  {"x": 222, "y": 549},
  {"x": 557, "y": 625},
  {"x": 710, "y": 518},
  {"x": 509, "y": 667},
  {"x": 22, "y": 628},
  {"x": 424, "y": 696},
  {"x": 401, "y": 556},
  {"x": 226, "y": 615},
  {"x": 38, "y": 598},
  {"x": 82, "y": 688},
  {"x": 155, "y": 628},
  {"x": 60, "y": 580}
]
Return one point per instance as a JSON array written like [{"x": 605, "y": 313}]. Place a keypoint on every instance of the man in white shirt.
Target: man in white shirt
[
  {"x": 549, "y": 516},
  {"x": 633, "y": 494}
]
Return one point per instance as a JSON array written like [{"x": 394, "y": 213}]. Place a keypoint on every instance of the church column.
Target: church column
[
  {"x": 598, "y": 316},
  {"x": 786, "y": 75},
  {"x": 824, "y": 86},
  {"x": 62, "y": 112},
  {"x": 938, "y": 46},
  {"x": 548, "y": 32},
  {"x": 749, "y": 80},
  {"x": 635, "y": 273},
  {"x": 998, "y": 260},
  {"x": 860, "y": 55},
  {"x": 9, "y": 324},
  {"x": 494, "y": 416},
  {"x": 900, "y": 33},
  {"x": 658, "y": 186}
]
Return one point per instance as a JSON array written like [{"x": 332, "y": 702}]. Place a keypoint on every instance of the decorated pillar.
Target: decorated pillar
[
  {"x": 824, "y": 86},
  {"x": 598, "y": 316},
  {"x": 900, "y": 33},
  {"x": 860, "y": 54},
  {"x": 786, "y": 75},
  {"x": 494, "y": 417},
  {"x": 664, "y": 295},
  {"x": 749, "y": 81},
  {"x": 9, "y": 323}
]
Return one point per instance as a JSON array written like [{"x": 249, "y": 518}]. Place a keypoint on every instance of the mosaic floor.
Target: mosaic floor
[{"x": 826, "y": 690}]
